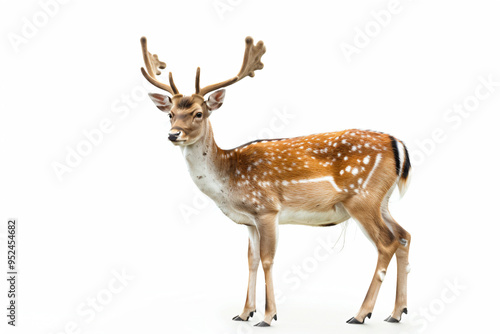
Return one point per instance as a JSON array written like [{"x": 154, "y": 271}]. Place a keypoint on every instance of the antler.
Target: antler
[
  {"x": 251, "y": 63},
  {"x": 153, "y": 64}
]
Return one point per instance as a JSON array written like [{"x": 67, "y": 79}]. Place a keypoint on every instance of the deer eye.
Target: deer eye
[
  {"x": 199, "y": 115},
  {"x": 170, "y": 115}
]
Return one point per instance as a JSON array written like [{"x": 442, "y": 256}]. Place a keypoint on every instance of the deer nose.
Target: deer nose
[{"x": 173, "y": 135}]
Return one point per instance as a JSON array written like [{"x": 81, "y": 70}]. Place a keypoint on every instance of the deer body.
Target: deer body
[
  {"x": 304, "y": 179},
  {"x": 319, "y": 180}
]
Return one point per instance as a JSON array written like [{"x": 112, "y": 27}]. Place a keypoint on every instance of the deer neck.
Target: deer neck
[{"x": 206, "y": 165}]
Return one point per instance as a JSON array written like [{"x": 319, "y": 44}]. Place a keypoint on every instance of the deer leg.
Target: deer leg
[
  {"x": 403, "y": 269},
  {"x": 268, "y": 232},
  {"x": 372, "y": 223},
  {"x": 384, "y": 257},
  {"x": 253, "y": 265},
  {"x": 401, "y": 296},
  {"x": 402, "y": 253}
]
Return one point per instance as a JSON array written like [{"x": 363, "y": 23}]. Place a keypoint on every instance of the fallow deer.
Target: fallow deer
[{"x": 319, "y": 180}]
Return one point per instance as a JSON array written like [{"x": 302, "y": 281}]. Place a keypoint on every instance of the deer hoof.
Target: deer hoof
[
  {"x": 262, "y": 324},
  {"x": 238, "y": 318},
  {"x": 391, "y": 319},
  {"x": 355, "y": 321},
  {"x": 265, "y": 324},
  {"x": 394, "y": 320}
]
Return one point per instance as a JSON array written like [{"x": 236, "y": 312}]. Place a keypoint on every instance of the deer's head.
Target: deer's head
[{"x": 189, "y": 114}]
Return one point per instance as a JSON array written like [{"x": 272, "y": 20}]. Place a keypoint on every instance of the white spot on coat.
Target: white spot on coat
[
  {"x": 381, "y": 275},
  {"x": 322, "y": 179},
  {"x": 377, "y": 161}
]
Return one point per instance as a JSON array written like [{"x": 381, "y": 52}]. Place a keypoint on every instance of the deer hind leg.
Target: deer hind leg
[
  {"x": 372, "y": 223},
  {"x": 268, "y": 232},
  {"x": 402, "y": 253},
  {"x": 253, "y": 266}
]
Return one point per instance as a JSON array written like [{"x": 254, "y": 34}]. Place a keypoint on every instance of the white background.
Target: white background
[{"x": 119, "y": 209}]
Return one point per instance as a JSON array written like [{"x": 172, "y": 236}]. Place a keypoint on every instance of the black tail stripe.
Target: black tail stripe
[
  {"x": 395, "y": 150},
  {"x": 407, "y": 164}
]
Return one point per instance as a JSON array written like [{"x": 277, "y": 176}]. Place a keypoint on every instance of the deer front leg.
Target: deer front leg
[
  {"x": 268, "y": 231},
  {"x": 253, "y": 265}
]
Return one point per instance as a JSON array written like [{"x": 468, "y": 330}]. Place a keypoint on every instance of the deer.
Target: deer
[{"x": 316, "y": 180}]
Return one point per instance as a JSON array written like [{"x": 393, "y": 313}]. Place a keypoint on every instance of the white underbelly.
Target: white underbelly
[
  {"x": 303, "y": 217},
  {"x": 237, "y": 216}
]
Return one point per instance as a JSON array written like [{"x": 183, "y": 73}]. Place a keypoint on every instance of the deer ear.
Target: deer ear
[
  {"x": 215, "y": 100},
  {"x": 162, "y": 102}
]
